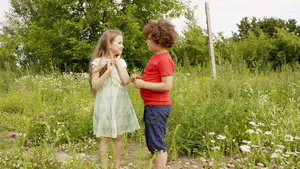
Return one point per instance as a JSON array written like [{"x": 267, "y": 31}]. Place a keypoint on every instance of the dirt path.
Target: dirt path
[{"x": 133, "y": 153}]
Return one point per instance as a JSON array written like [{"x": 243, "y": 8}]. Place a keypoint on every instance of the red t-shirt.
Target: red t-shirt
[{"x": 158, "y": 66}]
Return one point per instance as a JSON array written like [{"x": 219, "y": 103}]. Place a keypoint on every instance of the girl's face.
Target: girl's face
[{"x": 117, "y": 46}]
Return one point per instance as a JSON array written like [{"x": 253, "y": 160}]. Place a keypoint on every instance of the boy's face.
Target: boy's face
[{"x": 152, "y": 46}]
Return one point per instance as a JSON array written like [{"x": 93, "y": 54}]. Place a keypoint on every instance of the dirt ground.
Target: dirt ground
[{"x": 132, "y": 153}]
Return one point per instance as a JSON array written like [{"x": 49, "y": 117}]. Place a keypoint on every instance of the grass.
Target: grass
[{"x": 243, "y": 120}]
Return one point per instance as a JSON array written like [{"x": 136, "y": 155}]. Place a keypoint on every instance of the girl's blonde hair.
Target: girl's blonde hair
[{"x": 102, "y": 49}]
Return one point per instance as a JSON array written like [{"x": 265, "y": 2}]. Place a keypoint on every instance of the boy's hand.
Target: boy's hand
[
  {"x": 135, "y": 76},
  {"x": 138, "y": 83}
]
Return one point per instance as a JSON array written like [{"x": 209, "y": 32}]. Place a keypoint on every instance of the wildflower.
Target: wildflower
[
  {"x": 250, "y": 131},
  {"x": 172, "y": 119},
  {"x": 205, "y": 132},
  {"x": 252, "y": 123},
  {"x": 274, "y": 165},
  {"x": 274, "y": 155},
  {"x": 220, "y": 137},
  {"x": 187, "y": 164},
  {"x": 130, "y": 164},
  {"x": 268, "y": 133},
  {"x": 27, "y": 148},
  {"x": 289, "y": 138},
  {"x": 291, "y": 153},
  {"x": 261, "y": 124},
  {"x": 281, "y": 146},
  {"x": 195, "y": 167},
  {"x": 265, "y": 151},
  {"x": 216, "y": 148},
  {"x": 213, "y": 141},
  {"x": 260, "y": 165},
  {"x": 245, "y": 148},
  {"x": 248, "y": 142},
  {"x": 13, "y": 135},
  {"x": 273, "y": 124},
  {"x": 278, "y": 151},
  {"x": 258, "y": 131},
  {"x": 211, "y": 133}
]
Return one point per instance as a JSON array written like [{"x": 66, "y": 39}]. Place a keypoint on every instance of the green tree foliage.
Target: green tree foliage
[
  {"x": 64, "y": 33},
  {"x": 285, "y": 48},
  {"x": 192, "y": 48},
  {"x": 267, "y": 25},
  {"x": 255, "y": 49}
]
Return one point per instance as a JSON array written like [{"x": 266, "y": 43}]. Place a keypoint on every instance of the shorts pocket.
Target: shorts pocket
[{"x": 150, "y": 115}]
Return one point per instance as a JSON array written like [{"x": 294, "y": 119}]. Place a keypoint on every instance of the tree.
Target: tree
[
  {"x": 255, "y": 50},
  {"x": 267, "y": 25},
  {"x": 192, "y": 48},
  {"x": 285, "y": 48},
  {"x": 64, "y": 33}
]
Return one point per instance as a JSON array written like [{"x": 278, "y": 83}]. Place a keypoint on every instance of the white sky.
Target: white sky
[{"x": 225, "y": 14}]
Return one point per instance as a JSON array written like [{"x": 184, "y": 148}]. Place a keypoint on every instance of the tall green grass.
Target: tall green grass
[{"x": 243, "y": 116}]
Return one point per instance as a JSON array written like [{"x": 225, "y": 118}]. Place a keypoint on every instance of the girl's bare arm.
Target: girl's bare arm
[
  {"x": 123, "y": 73},
  {"x": 98, "y": 81}
]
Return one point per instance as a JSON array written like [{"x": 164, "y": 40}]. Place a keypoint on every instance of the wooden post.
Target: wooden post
[{"x": 210, "y": 42}]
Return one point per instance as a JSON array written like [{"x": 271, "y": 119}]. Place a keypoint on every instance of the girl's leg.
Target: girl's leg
[
  {"x": 118, "y": 145},
  {"x": 104, "y": 145}
]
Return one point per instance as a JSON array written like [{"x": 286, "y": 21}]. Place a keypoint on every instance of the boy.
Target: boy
[{"x": 155, "y": 84}]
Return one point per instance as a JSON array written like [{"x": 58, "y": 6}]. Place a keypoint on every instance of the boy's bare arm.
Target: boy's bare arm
[{"x": 164, "y": 86}]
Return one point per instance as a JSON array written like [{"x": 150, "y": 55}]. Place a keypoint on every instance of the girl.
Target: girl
[{"x": 113, "y": 111}]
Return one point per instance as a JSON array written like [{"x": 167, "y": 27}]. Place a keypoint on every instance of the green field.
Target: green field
[{"x": 243, "y": 119}]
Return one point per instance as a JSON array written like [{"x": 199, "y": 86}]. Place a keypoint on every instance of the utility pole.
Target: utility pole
[{"x": 210, "y": 42}]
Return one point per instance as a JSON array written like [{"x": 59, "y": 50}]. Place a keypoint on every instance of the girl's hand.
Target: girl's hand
[
  {"x": 135, "y": 76},
  {"x": 110, "y": 65},
  {"x": 117, "y": 58}
]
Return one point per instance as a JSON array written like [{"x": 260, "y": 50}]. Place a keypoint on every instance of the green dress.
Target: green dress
[{"x": 113, "y": 111}]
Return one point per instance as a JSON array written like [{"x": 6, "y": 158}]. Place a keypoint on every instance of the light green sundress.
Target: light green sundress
[{"x": 113, "y": 111}]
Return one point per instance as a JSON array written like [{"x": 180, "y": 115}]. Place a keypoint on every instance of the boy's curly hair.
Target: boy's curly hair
[{"x": 161, "y": 31}]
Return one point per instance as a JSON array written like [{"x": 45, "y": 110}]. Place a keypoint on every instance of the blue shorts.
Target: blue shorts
[{"x": 155, "y": 118}]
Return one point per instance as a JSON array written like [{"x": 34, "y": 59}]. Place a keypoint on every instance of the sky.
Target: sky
[{"x": 225, "y": 14}]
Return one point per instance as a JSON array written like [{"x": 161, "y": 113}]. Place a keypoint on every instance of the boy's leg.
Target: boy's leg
[
  {"x": 104, "y": 145},
  {"x": 155, "y": 117},
  {"x": 118, "y": 150},
  {"x": 160, "y": 161}
]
